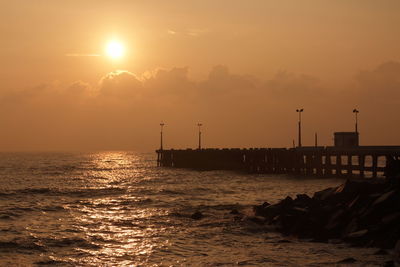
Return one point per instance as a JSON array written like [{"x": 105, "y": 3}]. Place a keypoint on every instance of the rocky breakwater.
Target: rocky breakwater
[{"x": 360, "y": 212}]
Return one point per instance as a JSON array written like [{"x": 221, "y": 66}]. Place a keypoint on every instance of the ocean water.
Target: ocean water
[{"x": 119, "y": 209}]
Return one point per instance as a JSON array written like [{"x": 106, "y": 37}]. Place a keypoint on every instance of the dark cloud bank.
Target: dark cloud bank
[{"x": 123, "y": 110}]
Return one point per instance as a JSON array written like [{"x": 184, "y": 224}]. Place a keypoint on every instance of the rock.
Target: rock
[
  {"x": 357, "y": 234},
  {"x": 237, "y": 218},
  {"x": 351, "y": 227},
  {"x": 303, "y": 200},
  {"x": 260, "y": 210},
  {"x": 256, "y": 219},
  {"x": 396, "y": 253},
  {"x": 383, "y": 198},
  {"x": 276, "y": 219},
  {"x": 197, "y": 215},
  {"x": 235, "y": 212},
  {"x": 353, "y": 202},
  {"x": 302, "y": 197},
  {"x": 320, "y": 239},
  {"x": 300, "y": 210},
  {"x": 324, "y": 194},
  {"x": 392, "y": 167},
  {"x": 381, "y": 252},
  {"x": 335, "y": 219},
  {"x": 347, "y": 260},
  {"x": 383, "y": 206},
  {"x": 265, "y": 204},
  {"x": 269, "y": 212},
  {"x": 389, "y": 264},
  {"x": 286, "y": 203},
  {"x": 390, "y": 218},
  {"x": 360, "y": 187},
  {"x": 362, "y": 212}
]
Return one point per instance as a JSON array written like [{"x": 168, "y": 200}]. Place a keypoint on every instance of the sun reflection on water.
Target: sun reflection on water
[
  {"x": 118, "y": 225},
  {"x": 108, "y": 167}
]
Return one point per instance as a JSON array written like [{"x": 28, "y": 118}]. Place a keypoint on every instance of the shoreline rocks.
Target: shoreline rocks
[{"x": 359, "y": 212}]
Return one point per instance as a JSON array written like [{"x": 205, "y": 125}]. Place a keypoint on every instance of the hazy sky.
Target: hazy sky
[{"x": 240, "y": 67}]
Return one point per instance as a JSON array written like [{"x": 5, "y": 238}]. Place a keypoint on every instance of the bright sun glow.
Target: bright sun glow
[{"x": 115, "y": 50}]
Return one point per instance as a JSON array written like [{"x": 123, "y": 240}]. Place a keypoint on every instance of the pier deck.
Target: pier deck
[{"x": 361, "y": 161}]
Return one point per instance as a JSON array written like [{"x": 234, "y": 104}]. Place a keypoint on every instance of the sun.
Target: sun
[{"x": 115, "y": 50}]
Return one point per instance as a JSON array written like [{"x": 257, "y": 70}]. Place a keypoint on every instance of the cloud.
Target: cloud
[
  {"x": 380, "y": 84},
  {"x": 221, "y": 81},
  {"x": 172, "y": 32},
  {"x": 82, "y": 55},
  {"x": 196, "y": 32},
  {"x": 123, "y": 109},
  {"x": 169, "y": 82},
  {"x": 188, "y": 32},
  {"x": 78, "y": 88},
  {"x": 292, "y": 86},
  {"x": 120, "y": 83}
]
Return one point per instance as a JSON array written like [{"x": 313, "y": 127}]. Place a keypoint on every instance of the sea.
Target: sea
[{"x": 117, "y": 208}]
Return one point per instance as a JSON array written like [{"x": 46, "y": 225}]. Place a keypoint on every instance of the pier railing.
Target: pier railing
[{"x": 362, "y": 161}]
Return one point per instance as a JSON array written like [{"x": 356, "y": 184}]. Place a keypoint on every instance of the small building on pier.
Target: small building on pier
[{"x": 346, "y": 139}]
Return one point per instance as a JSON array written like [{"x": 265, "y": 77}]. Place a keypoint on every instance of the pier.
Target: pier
[{"x": 330, "y": 161}]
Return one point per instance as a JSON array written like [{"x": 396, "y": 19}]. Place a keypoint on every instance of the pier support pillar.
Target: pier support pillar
[
  {"x": 328, "y": 165},
  {"x": 361, "y": 165},
  {"x": 339, "y": 165},
  {"x": 318, "y": 164},
  {"x": 349, "y": 165},
  {"x": 374, "y": 166}
]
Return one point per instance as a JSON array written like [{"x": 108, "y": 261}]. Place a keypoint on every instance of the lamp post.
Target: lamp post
[
  {"x": 161, "y": 135},
  {"x": 316, "y": 139},
  {"x": 356, "y": 111},
  {"x": 299, "y": 111},
  {"x": 199, "y": 125}
]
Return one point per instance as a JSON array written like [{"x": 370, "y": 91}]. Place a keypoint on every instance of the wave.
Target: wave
[
  {"x": 16, "y": 212},
  {"x": 89, "y": 192},
  {"x": 70, "y": 242},
  {"x": 52, "y": 208},
  {"x": 136, "y": 202},
  {"x": 9, "y": 215},
  {"x": 101, "y": 239},
  {"x": 170, "y": 192},
  {"x": 127, "y": 223},
  {"x": 23, "y": 209},
  {"x": 52, "y": 262},
  {"x": 69, "y": 169},
  {"x": 21, "y": 245},
  {"x": 6, "y": 217},
  {"x": 95, "y": 192}
]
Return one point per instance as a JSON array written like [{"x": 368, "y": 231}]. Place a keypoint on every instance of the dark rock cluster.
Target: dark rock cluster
[{"x": 360, "y": 212}]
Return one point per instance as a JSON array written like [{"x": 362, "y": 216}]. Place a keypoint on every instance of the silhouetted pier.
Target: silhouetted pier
[{"x": 359, "y": 161}]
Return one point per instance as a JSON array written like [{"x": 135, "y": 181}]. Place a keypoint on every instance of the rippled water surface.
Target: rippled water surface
[{"x": 118, "y": 208}]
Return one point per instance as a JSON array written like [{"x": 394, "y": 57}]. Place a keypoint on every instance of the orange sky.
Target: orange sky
[{"x": 240, "y": 67}]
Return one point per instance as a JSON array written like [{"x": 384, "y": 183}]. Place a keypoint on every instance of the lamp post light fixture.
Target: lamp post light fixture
[
  {"x": 356, "y": 111},
  {"x": 161, "y": 135},
  {"x": 299, "y": 111},
  {"x": 199, "y": 125}
]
